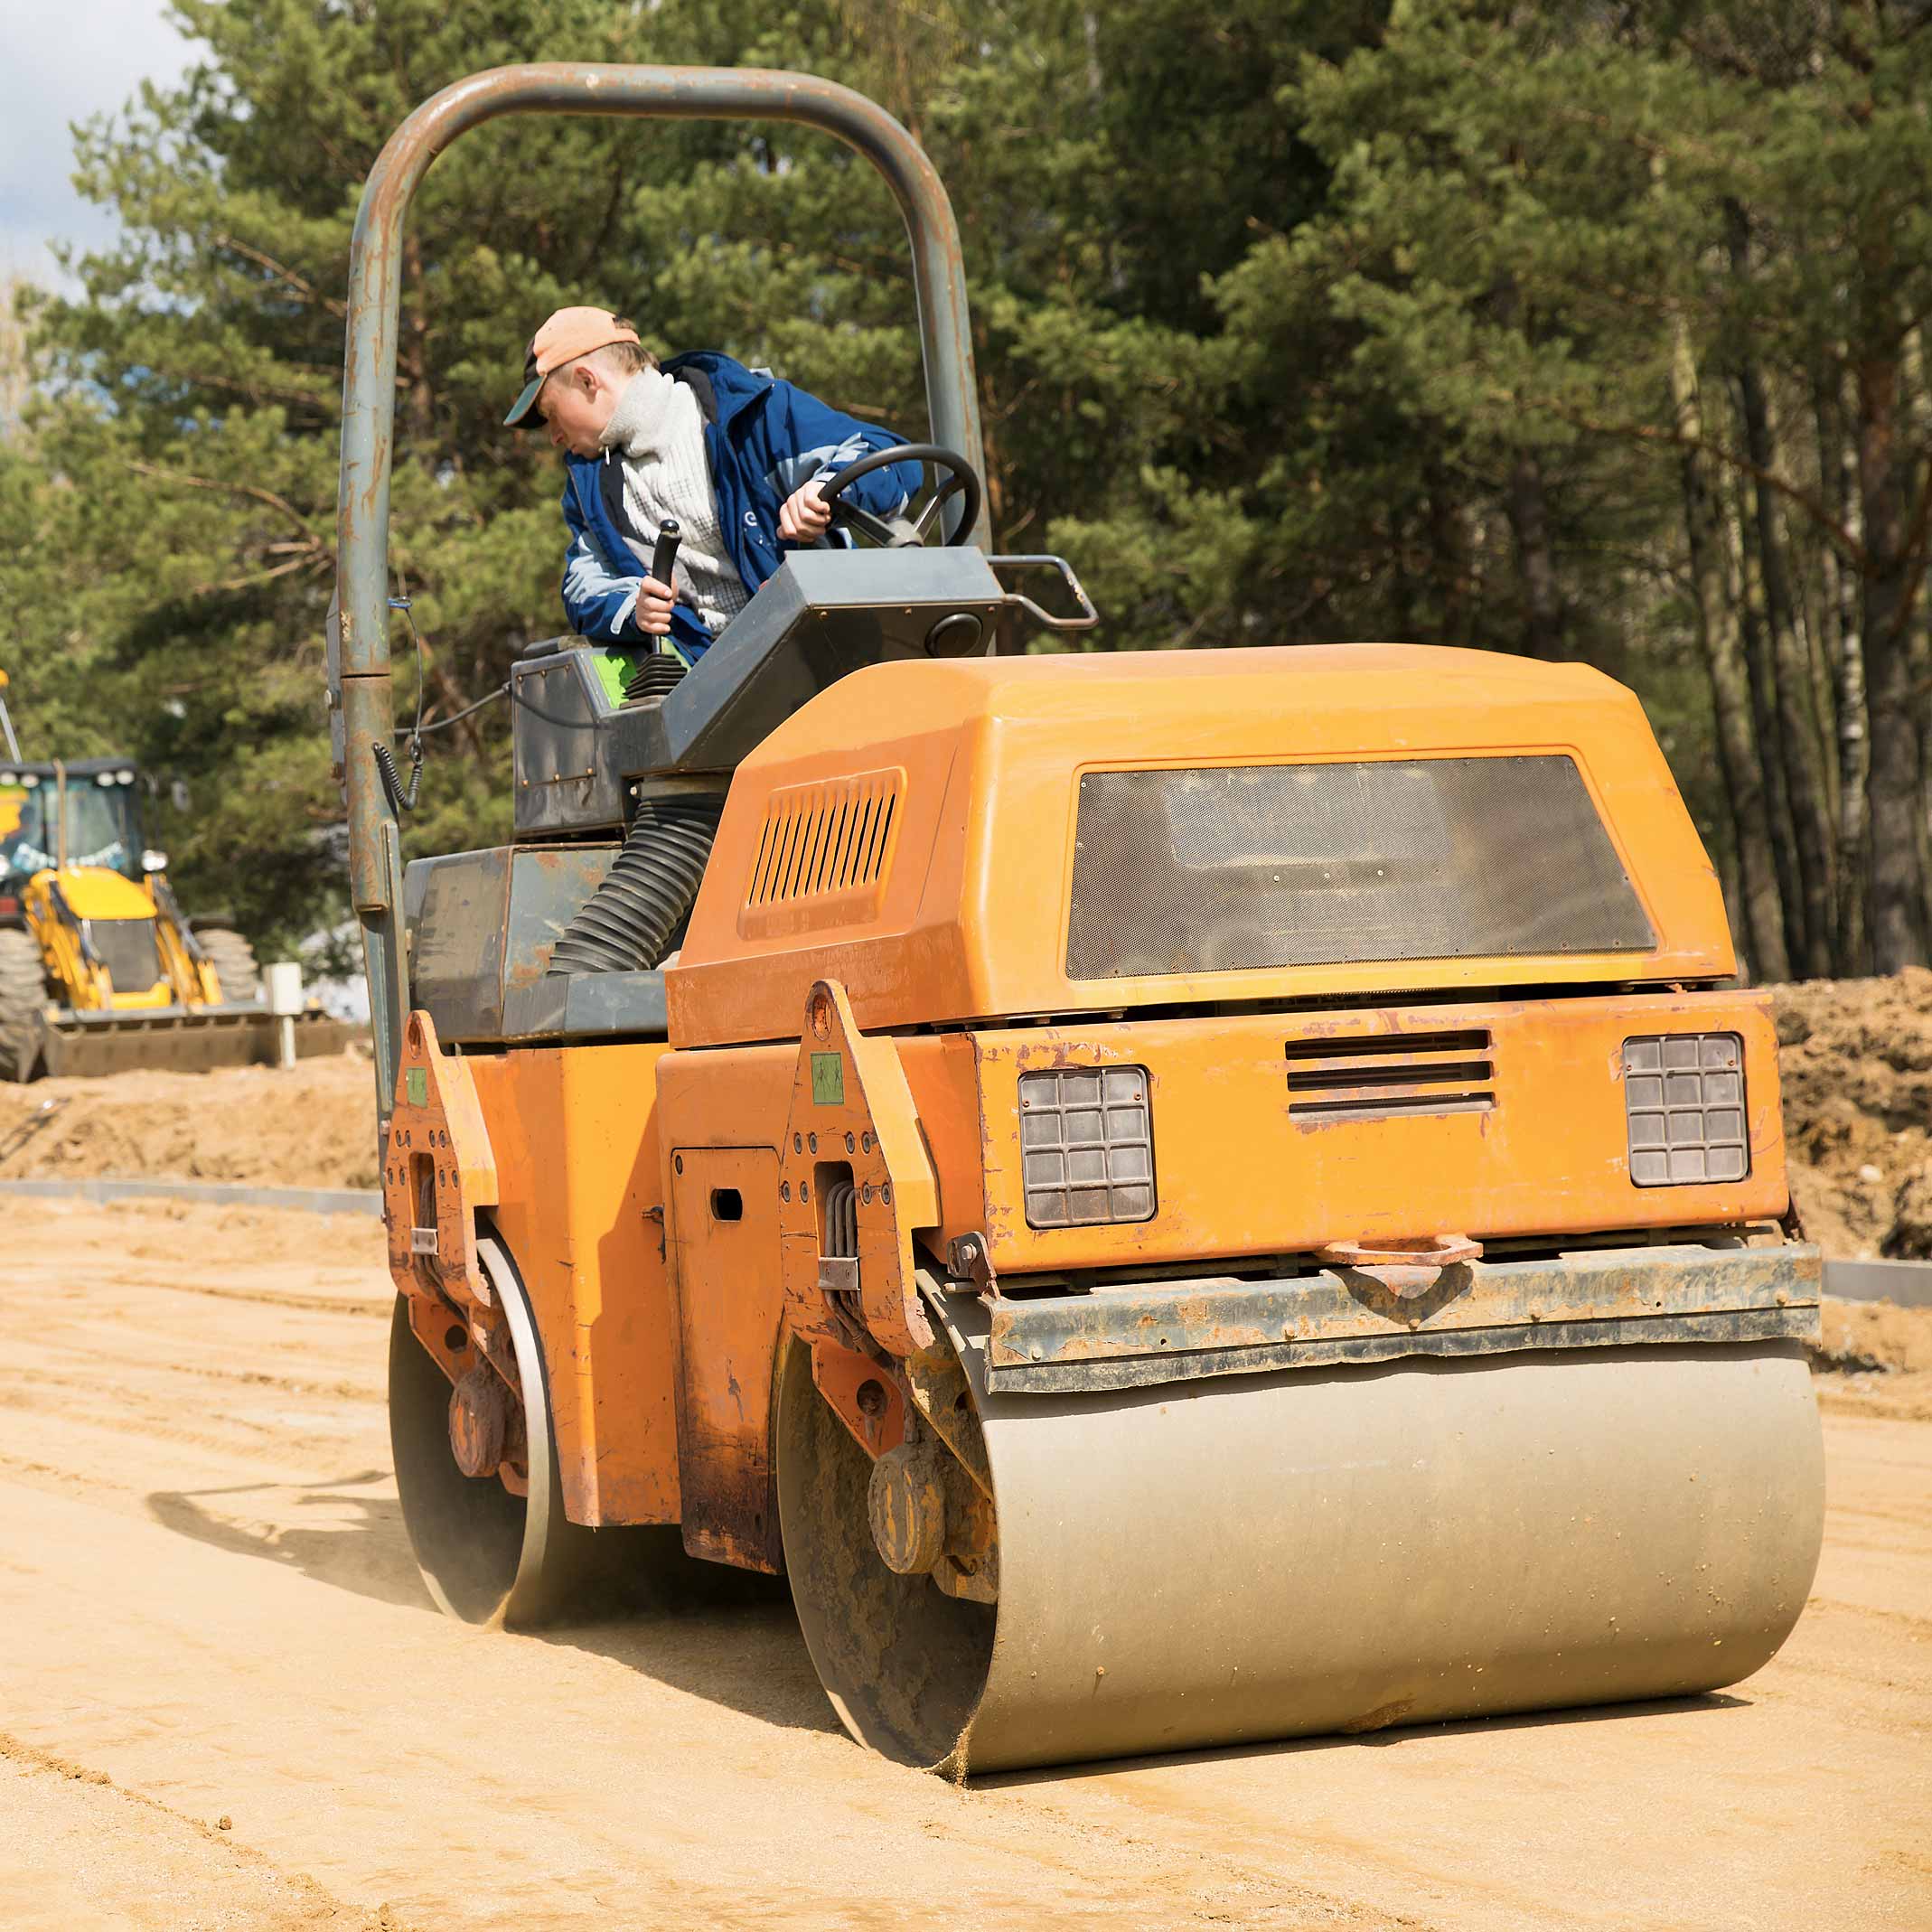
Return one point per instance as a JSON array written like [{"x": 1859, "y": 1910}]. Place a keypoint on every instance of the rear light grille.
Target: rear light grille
[
  {"x": 1386, "y": 1074},
  {"x": 1683, "y": 1096},
  {"x": 1086, "y": 1139}
]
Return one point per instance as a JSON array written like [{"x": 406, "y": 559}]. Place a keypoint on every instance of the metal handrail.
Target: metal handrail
[
  {"x": 1088, "y": 617},
  {"x": 360, "y": 649}
]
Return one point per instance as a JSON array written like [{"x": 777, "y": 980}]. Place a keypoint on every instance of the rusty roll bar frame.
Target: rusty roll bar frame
[{"x": 359, "y": 648}]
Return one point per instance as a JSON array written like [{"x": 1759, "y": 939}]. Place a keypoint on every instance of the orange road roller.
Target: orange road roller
[{"x": 1177, "y": 1197}]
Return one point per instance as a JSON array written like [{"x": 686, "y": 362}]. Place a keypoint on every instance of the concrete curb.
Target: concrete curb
[
  {"x": 220, "y": 1194},
  {"x": 1906, "y": 1283}
]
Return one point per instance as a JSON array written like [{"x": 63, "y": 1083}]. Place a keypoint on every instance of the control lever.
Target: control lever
[
  {"x": 663, "y": 561},
  {"x": 658, "y": 672},
  {"x": 664, "y": 555}
]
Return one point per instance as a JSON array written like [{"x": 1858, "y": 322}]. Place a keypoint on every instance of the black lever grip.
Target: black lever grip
[{"x": 665, "y": 556}]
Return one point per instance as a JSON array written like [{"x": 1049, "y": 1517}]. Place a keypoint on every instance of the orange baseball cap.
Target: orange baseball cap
[{"x": 567, "y": 335}]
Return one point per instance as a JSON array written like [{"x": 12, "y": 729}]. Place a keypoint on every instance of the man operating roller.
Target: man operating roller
[{"x": 731, "y": 455}]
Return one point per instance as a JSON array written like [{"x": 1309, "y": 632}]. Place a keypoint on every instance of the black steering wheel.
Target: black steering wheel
[{"x": 960, "y": 480}]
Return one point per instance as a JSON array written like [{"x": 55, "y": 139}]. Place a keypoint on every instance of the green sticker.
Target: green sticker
[
  {"x": 416, "y": 1080},
  {"x": 828, "y": 1079}
]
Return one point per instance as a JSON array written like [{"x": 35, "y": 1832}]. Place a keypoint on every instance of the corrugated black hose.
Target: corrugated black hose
[
  {"x": 636, "y": 915},
  {"x": 657, "y": 677}
]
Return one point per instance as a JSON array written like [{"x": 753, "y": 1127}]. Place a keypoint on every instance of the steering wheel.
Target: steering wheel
[{"x": 899, "y": 534}]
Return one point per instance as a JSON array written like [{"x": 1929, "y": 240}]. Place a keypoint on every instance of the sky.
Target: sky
[{"x": 60, "y": 61}]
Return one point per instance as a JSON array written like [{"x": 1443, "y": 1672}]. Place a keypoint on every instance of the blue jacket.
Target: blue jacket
[{"x": 764, "y": 439}]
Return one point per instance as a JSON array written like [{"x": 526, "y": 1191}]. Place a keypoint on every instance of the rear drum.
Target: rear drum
[
  {"x": 903, "y": 1663},
  {"x": 1268, "y": 1556}
]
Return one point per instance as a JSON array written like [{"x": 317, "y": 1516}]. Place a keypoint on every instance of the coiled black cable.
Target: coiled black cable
[
  {"x": 402, "y": 798},
  {"x": 635, "y": 916}
]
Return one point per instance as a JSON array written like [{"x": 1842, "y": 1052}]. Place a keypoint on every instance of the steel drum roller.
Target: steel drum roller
[
  {"x": 486, "y": 1556},
  {"x": 1258, "y": 1557}
]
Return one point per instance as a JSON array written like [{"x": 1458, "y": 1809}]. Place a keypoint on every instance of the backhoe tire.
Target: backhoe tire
[
  {"x": 23, "y": 999},
  {"x": 233, "y": 960}
]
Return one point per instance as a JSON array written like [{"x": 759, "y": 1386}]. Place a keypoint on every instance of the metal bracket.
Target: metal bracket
[
  {"x": 970, "y": 1259},
  {"x": 1088, "y": 617},
  {"x": 852, "y": 1125},
  {"x": 437, "y": 1170},
  {"x": 1406, "y": 1269}
]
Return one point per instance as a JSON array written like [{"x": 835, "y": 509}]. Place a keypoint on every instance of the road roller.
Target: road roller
[{"x": 1176, "y": 1198}]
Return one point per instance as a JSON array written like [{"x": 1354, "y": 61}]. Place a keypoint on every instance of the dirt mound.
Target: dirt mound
[
  {"x": 314, "y": 1126},
  {"x": 1866, "y": 1336},
  {"x": 1856, "y": 1057},
  {"x": 1876, "y": 1359}
]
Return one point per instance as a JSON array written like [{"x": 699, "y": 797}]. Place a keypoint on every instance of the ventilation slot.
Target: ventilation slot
[
  {"x": 824, "y": 854},
  {"x": 1373, "y": 1078}
]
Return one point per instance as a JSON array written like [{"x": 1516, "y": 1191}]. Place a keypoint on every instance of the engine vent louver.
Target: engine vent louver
[
  {"x": 1389, "y": 1074},
  {"x": 824, "y": 855}
]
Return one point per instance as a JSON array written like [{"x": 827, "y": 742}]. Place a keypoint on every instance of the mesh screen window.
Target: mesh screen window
[{"x": 1232, "y": 868}]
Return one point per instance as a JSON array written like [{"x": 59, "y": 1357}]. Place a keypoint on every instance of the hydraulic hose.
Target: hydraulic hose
[{"x": 631, "y": 920}]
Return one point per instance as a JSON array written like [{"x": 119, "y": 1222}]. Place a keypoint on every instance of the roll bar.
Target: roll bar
[{"x": 359, "y": 651}]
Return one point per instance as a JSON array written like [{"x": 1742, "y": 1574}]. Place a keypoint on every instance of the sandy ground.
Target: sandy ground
[{"x": 225, "y": 1700}]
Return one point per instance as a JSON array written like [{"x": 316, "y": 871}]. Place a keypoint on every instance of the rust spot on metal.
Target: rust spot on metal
[
  {"x": 1217, "y": 1318},
  {"x": 1378, "y": 1719},
  {"x": 730, "y": 1507}
]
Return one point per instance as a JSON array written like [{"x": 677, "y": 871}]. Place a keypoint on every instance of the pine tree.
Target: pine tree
[{"x": 1294, "y": 319}]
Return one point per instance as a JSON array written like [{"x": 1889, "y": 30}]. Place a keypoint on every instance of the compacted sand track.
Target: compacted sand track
[{"x": 225, "y": 1700}]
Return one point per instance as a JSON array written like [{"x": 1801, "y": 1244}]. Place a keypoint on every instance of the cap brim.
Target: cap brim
[{"x": 524, "y": 403}]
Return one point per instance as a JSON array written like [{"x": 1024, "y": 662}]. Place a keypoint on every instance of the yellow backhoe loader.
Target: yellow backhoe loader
[{"x": 100, "y": 970}]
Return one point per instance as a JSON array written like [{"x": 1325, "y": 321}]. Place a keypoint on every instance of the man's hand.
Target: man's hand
[
  {"x": 805, "y": 516},
  {"x": 652, "y": 614}
]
